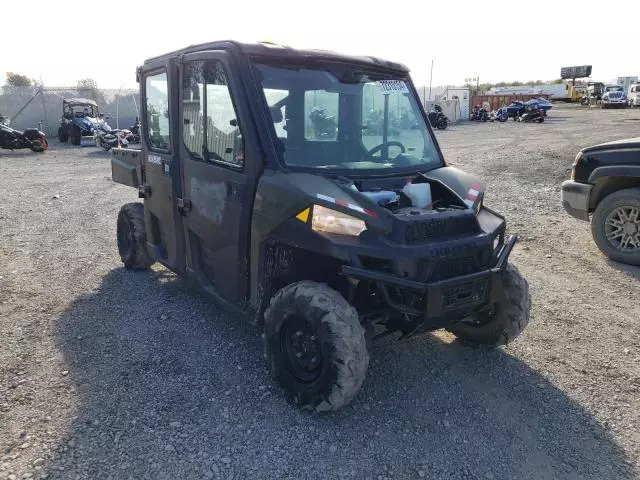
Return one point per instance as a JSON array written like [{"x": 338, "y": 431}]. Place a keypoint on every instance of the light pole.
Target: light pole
[{"x": 118, "y": 106}]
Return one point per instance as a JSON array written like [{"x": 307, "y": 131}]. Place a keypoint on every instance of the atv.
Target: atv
[
  {"x": 329, "y": 243},
  {"x": 80, "y": 117}
]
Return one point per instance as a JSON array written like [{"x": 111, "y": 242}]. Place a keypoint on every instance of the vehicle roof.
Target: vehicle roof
[
  {"x": 272, "y": 50},
  {"x": 79, "y": 101}
]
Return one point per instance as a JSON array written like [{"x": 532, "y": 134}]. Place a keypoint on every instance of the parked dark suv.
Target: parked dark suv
[{"x": 605, "y": 188}]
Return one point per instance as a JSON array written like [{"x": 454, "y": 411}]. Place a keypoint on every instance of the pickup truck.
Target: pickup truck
[{"x": 605, "y": 188}]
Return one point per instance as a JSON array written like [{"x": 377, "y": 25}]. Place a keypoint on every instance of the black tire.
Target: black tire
[
  {"x": 132, "y": 237},
  {"x": 62, "y": 136},
  {"x": 541, "y": 120},
  {"x": 606, "y": 210},
  {"x": 37, "y": 146},
  {"x": 509, "y": 317},
  {"x": 75, "y": 137},
  {"x": 307, "y": 321},
  {"x": 442, "y": 124}
]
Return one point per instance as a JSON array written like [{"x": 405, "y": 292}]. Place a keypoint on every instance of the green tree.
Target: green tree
[
  {"x": 88, "y": 88},
  {"x": 88, "y": 83},
  {"x": 17, "y": 80}
]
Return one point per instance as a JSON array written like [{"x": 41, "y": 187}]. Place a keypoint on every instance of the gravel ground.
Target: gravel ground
[{"x": 105, "y": 373}]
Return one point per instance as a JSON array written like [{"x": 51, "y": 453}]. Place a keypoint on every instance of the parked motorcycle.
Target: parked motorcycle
[
  {"x": 135, "y": 131},
  {"x": 479, "y": 113},
  {"x": 324, "y": 126},
  {"x": 107, "y": 138},
  {"x": 532, "y": 114},
  {"x": 500, "y": 115},
  {"x": 437, "y": 118},
  {"x": 32, "y": 138}
]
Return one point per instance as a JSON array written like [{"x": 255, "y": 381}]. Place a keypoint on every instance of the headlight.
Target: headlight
[{"x": 331, "y": 221}]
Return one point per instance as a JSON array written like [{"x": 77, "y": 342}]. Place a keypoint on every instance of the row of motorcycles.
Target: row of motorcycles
[
  {"x": 32, "y": 138},
  {"x": 532, "y": 111}
]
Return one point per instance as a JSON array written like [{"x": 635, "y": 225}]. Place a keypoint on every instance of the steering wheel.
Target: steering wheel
[{"x": 390, "y": 143}]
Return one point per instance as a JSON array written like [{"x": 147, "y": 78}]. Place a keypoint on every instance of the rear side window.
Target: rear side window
[
  {"x": 157, "y": 106},
  {"x": 211, "y": 130},
  {"x": 321, "y": 115}
]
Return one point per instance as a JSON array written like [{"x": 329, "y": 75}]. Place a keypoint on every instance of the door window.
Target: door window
[
  {"x": 157, "y": 106},
  {"x": 210, "y": 126}
]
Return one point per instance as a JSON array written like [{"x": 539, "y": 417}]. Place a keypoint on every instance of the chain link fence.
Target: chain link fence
[{"x": 26, "y": 107}]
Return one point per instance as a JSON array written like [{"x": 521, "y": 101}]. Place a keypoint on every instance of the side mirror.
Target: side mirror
[{"x": 233, "y": 122}]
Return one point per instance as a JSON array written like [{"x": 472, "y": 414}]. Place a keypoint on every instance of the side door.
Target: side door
[
  {"x": 218, "y": 173},
  {"x": 162, "y": 179}
]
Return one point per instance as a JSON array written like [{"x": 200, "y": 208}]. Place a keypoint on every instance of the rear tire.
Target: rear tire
[
  {"x": 132, "y": 237},
  {"x": 315, "y": 346},
  {"x": 606, "y": 223},
  {"x": 509, "y": 318},
  {"x": 37, "y": 146},
  {"x": 62, "y": 136}
]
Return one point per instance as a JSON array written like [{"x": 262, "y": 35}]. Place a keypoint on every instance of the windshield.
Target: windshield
[
  {"x": 81, "y": 111},
  {"x": 339, "y": 118}
]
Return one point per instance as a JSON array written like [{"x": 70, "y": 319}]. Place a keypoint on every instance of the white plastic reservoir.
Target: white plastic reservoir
[{"x": 418, "y": 193}]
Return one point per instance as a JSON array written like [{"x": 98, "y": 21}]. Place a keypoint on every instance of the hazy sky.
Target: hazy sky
[{"x": 495, "y": 39}]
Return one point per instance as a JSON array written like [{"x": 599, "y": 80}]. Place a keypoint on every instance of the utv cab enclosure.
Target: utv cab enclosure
[{"x": 263, "y": 184}]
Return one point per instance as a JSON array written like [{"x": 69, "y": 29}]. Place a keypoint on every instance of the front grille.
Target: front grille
[
  {"x": 444, "y": 268},
  {"x": 464, "y": 294},
  {"x": 439, "y": 227}
]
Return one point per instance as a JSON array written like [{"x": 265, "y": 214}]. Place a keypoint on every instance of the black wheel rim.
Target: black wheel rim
[{"x": 301, "y": 349}]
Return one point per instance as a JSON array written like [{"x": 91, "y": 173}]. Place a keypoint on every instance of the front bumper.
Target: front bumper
[
  {"x": 446, "y": 301},
  {"x": 575, "y": 198}
]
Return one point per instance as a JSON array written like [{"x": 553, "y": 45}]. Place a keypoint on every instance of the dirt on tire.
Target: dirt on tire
[
  {"x": 344, "y": 348},
  {"x": 510, "y": 318},
  {"x": 133, "y": 253}
]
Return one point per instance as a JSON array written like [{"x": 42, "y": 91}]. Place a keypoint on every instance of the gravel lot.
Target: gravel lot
[{"x": 105, "y": 373}]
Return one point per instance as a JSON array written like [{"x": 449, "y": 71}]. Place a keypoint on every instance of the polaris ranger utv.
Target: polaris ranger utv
[{"x": 263, "y": 185}]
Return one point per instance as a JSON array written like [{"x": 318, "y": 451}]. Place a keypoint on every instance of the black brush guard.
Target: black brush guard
[{"x": 446, "y": 301}]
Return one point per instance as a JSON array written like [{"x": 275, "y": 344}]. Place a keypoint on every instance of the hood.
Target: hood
[
  {"x": 342, "y": 195},
  {"x": 614, "y": 145},
  {"x": 86, "y": 122}
]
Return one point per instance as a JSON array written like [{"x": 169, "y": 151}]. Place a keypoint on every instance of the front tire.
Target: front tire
[
  {"x": 616, "y": 226},
  {"x": 75, "y": 137},
  {"x": 38, "y": 146},
  {"x": 510, "y": 316},
  {"x": 315, "y": 346},
  {"x": 62, "y": 137},
  {"x": 132, "y": 237}
]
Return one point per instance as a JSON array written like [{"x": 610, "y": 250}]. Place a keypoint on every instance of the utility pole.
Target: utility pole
[
  {"x": 44, "y": 105},
  {"x": 430, "y": 79}
]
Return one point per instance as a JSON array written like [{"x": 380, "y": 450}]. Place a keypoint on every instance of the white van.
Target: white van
[{"x": 633, "y": 96}]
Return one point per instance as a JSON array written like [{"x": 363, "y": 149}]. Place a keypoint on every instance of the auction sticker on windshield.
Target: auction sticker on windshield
[{"x": 392, "y": 86}]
